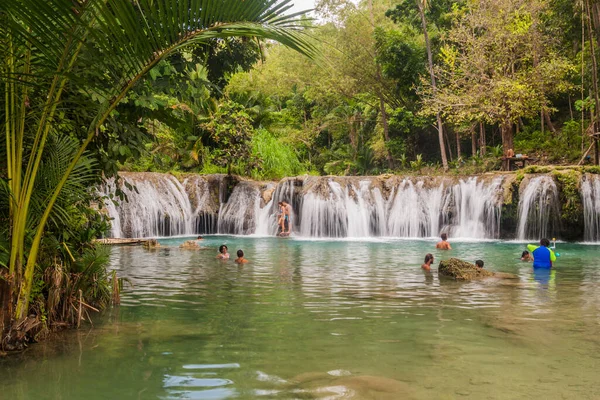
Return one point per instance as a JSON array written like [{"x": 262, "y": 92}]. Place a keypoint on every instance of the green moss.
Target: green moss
[
  {"x": 537, "y": 169},
  {"x": 462, "y": 270},
  {"x": 570, "y": 200},
  {"x": 519, "y": 176},
  {"x": 593, "y": 169}
]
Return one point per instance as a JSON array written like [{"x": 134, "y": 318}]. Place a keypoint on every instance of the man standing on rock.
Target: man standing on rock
[{"x": 287, "y": 218}]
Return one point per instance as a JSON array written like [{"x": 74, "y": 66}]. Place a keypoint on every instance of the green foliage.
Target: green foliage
[
  {"x": 537, "y": 169},
  {"x": 561, "y": 147},
  {"x": 230, "y": 130},
  {"x": 66, "y": 69},
  {"x": 594, "y": 169},
  {"x": 277, "y": 159},
  {"x": 417, "y": 164}
]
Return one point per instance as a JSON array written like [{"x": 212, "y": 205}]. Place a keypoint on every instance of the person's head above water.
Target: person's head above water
[
  {"x": 199, "y": 238},
  {"x": 479, "y": 263},
  {"x": 428, "y": 258},
  {"x": 525, "y": 254},
  {"x": 222, "y": 249},
  {"x": 545, "y": 242},
  {"x": 444, "y": 236},
  {"x": 240, "y": 253}
]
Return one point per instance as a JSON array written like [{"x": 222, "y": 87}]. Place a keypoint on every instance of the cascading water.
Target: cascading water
[
  {"x": 350, "y": 208},
  {"x": 162, "y": 205},
  {"x": 238, "y": 215},
  {"x": 344, "y": 211},
  {"x": 477, "y": 209},
  {"x": 157, "y": 205},
  {"x": 414, "y": 211},
  {"x": 538, "y": 209},
  {"x": 590, "y": 194},
  {"x": 266, "y": 224}
]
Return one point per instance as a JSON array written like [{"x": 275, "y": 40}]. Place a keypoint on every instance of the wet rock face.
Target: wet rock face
[{"x": 462, "y": 270}]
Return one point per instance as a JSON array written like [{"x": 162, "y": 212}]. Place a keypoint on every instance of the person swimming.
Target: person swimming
[
  {"x": 479, "y": 264},
  {"x": 240, "y": 259},
  {"x": 443, "y": 245},
  {"x": 223, "y": 254},
  {"x": 428, "y": 261},
  {"x": 526, "y": 256},
  {"x": 543, "y": 257}
]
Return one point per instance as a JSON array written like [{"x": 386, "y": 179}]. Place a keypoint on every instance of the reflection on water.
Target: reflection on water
[{"x": 328, "y": 320}]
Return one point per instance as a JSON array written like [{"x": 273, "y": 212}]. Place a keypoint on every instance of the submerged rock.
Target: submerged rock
[
  {"x": 462, "y": 270},
  {"x": 151, "y": 244},
  {"x": 189, "y": 244}
]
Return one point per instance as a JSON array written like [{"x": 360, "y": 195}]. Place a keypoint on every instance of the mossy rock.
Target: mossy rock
[
  {"x": 189, "y": 244},
  {"x": 568, "y": 182},
  {"x": 151, "y": 244},
  {"x": 462, "y": 270},
  {"x": 593, "y": 169}
]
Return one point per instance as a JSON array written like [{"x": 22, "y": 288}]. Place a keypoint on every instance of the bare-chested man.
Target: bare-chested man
[
  {"x": 443, "y": 245},
  {"x": 287, "y": 217}
]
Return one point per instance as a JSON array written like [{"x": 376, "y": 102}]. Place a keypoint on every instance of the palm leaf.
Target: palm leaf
[{"x": 116, "y": 42}]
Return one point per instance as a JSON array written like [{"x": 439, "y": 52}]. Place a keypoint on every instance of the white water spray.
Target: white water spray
[
  {"x": 538, "y": 209},
  {"x": 590, "y": 194}
]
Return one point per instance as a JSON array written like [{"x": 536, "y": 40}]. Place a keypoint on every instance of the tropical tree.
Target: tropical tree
[
  {"x": 99, "y": 49},
  {"x": 498, "y": 64}
]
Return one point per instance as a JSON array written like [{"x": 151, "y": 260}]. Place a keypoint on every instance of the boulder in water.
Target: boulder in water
[
  {"x": 462, "y": 270},
  {"x": 189, "y": 244},
  {"x": 151, "y": 244}
]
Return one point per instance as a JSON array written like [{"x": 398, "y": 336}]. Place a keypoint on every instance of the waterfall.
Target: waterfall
[
  {"x": 238, "y": 215},
  {"x": 346, "y": 208},
  {"x": 477, "y": 209},
  {"x": 538, "y": 209},
  {"x": 590, "y": 194},
  {"x": 415, "y": 210},
  {"x": 266, "y": 223},
  {"x": 163, "y": 205},
  {"x": 157, "y": 205}
]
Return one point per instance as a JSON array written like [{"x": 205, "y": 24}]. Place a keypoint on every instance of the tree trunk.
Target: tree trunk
[
  {"x": 473, "y": 143},
  {"x": 591, "y": 31},
  {"x": 458, "y": 153},
  {"x": 448, "y": 144},
  {"x": 549, "y": 123},
  {"x": 6, "y": 302},
  {"x": 507, "y": 143},
  {"x": 482, "y": 139},
  {"x": 507, "y": 137},
  {"x": 440, "y": 126},
  {"x": 384, "y": 118}
]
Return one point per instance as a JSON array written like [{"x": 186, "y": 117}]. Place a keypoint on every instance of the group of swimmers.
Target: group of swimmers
[
  {"x": 541, "y": 256},
  {"x": 223, "y": 251},
  {"x": 224, "y": 255}
]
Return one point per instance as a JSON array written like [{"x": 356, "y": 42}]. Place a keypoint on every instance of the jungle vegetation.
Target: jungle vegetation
[
  {"x": 91, "y": 87},
  {"x": 424, "y": 85},
  {"x": 68, "y": 117}
]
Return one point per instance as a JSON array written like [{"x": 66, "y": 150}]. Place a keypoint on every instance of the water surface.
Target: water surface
[{"x": 328, "y": 319}]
